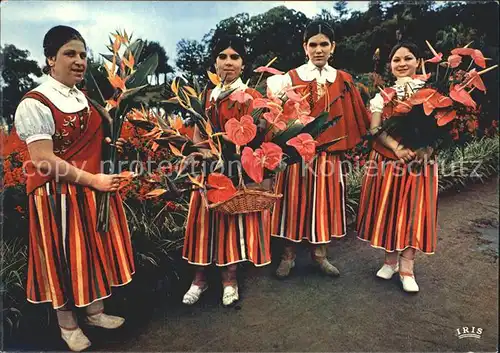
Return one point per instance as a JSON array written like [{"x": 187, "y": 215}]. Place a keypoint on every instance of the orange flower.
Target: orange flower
[
  {"x": 305, "y": 146},
  {"x": 117, "y": 82},
  {"x": 221, "y": 188},
  {"x": 241, "y": 132},
  {"x": 130, "y": 61},
  {"x": 175, "y": 122},
  {"x": 116, "y": 44},
  {"x": 214, "y": 78}
]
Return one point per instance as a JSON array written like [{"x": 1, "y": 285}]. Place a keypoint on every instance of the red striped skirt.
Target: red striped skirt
[
  {"x": 68, "y": 260},
  {"x": 313, "y": 203},
  {"x": 398, "y": 207},
  {"x": 224, "y": 239}
]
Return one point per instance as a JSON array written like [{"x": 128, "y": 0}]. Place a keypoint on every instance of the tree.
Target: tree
[
  {"x": 17, "y": 78},
  {"x": 192, "y": 59},
  {"x": 163, "y": 66},
  {"x": 340, "y": 7}
]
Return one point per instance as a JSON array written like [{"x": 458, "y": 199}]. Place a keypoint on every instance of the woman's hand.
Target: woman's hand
[
  {"x": 424, "y": 154},
  {"x": 404, "y": 154},
  {"x": 119, "y": 144},
  {"x": 105, "y": 182}
]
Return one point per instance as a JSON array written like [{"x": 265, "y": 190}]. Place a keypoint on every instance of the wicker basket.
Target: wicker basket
[{"x": 247, "y": 201}]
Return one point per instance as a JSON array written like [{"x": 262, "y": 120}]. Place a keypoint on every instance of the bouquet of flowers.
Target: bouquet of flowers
[
  {"x": 127, "y": 82},
  {"x": 267, "y": 134},
  {"x": 420, "y": 117}
]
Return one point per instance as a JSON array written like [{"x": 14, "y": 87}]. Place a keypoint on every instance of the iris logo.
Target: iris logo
[{"x": 469, "y": 332}]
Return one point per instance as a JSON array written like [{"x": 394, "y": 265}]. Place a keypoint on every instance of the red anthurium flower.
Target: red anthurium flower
[
  {"x": 454, "y": 60},
  {"x": 402, "y": 108},
  {"x": 431, "y": 99},
  {"x": 260, "y": 103},
  {"x": 240, "y": 96},
  {"x": 421, "y": 95},
  {"x": 221, "y": 188},
  {"x": 445, "y": 116},
  {"x": 388, "y": 94},
  {"x": 476, "y": 55},
  {"x": 274, "y": 119},
  {"x": 241, "y": 132},
  {"x": 305, "y": 145},
  {"x": 269, "y": 70},
  {"x": 473, "y": 79},
  {"x": 437, "y": 100},
  {"x": 252, "y": 163},
  {"x": 273, "y": 154},
  {"x": 423, "y": 77},
  {"x": 294, "y": 96},
  {"x": 300, "y": 110},
  {"x": 460, "y": 95},
  {"x": 436, "y": 59}
]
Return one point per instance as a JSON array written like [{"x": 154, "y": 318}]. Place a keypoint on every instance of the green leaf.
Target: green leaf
[
  {"x": 109, "y": 57},
  {"x": 225, "y": 94},
  {"x": 136, "y": 49},
  {"x": 93, "y": 89},
  {"x": 146, "y": 68},
  {"x": 197, "y": 105},
  {"x": 286, "y": 135},
  {"x": 320, "y": 124}
]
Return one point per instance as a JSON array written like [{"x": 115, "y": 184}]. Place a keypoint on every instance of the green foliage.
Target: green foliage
[{"x": 17, "y": 71}]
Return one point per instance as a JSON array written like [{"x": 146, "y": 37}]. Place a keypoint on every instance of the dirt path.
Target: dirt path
[{"x": 355, "y": 312}]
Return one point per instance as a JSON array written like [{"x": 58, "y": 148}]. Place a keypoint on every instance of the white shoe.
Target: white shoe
[
  {"x": 75, "y": 339},
  {"x": 193, "y": 294},
  {"x": 230, "y": 295},
  {"x": 105, "y": 321},
  {"x": 409, "y": 284},
  {"x": 387, "y": 271}
]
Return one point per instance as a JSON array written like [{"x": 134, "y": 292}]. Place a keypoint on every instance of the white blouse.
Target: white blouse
[
  {"x": 307, "y": 72},
  {"x": 238, "y": 85},
  {"x": 34, "y": 121},
  {"x": 404, "y": 86}
]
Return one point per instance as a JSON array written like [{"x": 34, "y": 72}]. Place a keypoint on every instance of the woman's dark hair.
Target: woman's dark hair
[
  {"x": 55, "y": 38},
  {"x": 230, "y": 41},
  {"x": 318, "y": 27},
  {"x": 412, "y": 47}
]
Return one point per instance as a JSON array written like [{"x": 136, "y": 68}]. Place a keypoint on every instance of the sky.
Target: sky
[{"x": 24, "y": 23}]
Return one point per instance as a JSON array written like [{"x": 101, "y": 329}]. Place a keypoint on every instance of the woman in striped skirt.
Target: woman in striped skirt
[
  {"x": 213, "y": 237},
  {"x": 312, "y": 209},
  {"x": 398, "y": 205},
  {"x": 70, "y": 263}
]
